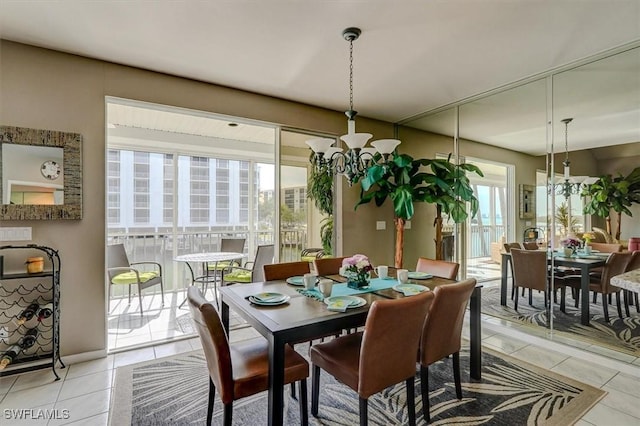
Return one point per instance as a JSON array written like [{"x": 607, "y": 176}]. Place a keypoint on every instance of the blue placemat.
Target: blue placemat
[{"x": 375, "y": 284}]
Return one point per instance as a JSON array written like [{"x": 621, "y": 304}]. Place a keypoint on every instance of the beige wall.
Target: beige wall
[{"x": 46, "y": 89}]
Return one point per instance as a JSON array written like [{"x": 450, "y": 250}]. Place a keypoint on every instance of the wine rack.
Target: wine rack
[{"x": 19, "y": 290}]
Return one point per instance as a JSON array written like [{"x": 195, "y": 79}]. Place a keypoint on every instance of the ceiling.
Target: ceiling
[{"x": 409, "y": 59}]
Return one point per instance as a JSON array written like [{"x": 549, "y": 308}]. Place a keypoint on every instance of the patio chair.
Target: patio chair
[
  {"x": 264, "y": 256},
  {"x": 121, "y": 272},
  {"x": 228, "y": 245}
]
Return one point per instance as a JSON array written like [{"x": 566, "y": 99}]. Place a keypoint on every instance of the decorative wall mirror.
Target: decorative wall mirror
[{"x": 41, "y": 174}]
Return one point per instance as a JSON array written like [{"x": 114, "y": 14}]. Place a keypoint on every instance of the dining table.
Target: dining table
[
  {"x": 205, "y": 259},
  {"x": 584, "y": 264},
  {"x": 304, "y": 318}
]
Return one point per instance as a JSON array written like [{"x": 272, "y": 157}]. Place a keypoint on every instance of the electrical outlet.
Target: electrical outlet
[{"x": 4, "y": 333}]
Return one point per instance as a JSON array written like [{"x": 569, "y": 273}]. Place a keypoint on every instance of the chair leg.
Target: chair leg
[
  {"x": 411, "y": 399},
  {"x": 626, "y": 295},
  {"x": 228, "y": 414},
  {"x": 515, "y": 301},
  {"x": 293, "y": 390},
  {"x": 456, "y": 374},
  {"x": 576, "y": 298},
  {"x": 605, "y": 307},
  {"x": 140, "y": 297},
  {"x": 424, "y": 388},
  {"x": 212, "y": 395},
  {"x": 595, "y": 297},
  {"x": 618, "y": 305},
  {"x": 130, "y": 293},
  {"x": 364, "y": 412},
  {"x": 635, "y": 297},
  {"x": 304, "y": 413},
  {"x": 162, "y": 290},
  {"x": 530, "y": 297},
  {"x": 563, "y": 299},
  {"x": 315, "y": 389}
]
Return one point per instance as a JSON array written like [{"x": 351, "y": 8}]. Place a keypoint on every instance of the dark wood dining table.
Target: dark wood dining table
[
  {"x": 585, "y": 265},
  {"x": 304, "y": 318}
]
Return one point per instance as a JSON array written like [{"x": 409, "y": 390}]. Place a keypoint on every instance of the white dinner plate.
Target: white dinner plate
[
  {"x": 269, "y": 299},
  {"x": 297, "y": 280},
  {"x": 404, "y": 288},
  {"x": 419, "y": 275},
  {"x": 352, "y": 301}
]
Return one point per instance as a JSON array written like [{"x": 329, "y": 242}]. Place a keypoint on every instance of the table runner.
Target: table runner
[{"x": 375, "y": 284}]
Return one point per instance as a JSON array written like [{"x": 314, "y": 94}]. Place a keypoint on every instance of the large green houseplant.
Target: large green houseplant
[
  {"x": 404, "y": 180},
  {"x": 320, "y": 191},
  {"x": 613, "y": 193}
]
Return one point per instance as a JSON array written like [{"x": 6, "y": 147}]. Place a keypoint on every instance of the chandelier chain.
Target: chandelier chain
[{"x": 351, "y": 75}]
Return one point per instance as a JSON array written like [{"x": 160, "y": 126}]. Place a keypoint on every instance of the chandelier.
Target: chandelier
[
  {"x": 354, "y": 162},
  {"x": 568, "y": 184}
]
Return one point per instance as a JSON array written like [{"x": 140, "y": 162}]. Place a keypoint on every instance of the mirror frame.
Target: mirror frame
[{"x": 71, "y": 144}]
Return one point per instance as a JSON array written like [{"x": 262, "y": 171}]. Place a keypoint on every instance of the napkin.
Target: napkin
[
  {"x": 269, "y": 298},
  {"x": 409, "y": 292},
  {"x": 313, "y": 293},
  {"x": 338, "y": 306}
]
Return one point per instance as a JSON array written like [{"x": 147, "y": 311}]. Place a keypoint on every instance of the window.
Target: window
[{"x": 113, "y": 187}]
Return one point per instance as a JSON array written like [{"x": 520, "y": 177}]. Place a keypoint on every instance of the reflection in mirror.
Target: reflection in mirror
[
  {"x": 41, "y": 174},
  {"x": 32, "y": 175}
]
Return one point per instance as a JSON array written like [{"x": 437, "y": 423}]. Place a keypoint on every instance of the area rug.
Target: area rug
[
  {"x": 173, "y": 391},
  {"x": 622, "y": 335}
]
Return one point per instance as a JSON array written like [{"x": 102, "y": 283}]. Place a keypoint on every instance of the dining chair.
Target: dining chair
[
  {"x": 264, "y": 256},
  {"x": 616, "y": 264},
  {"x": 442, "y": 334},
  {"x": 370, "y": 361},
  {"x": 438, "y": 268},
  {"x": 606, "y": 247},
  {"x": 228, "y": 245},
  {"x": 122, "y": 272},
  {"x": 634, "y": 263},
  {"x": 282, "y": 271},
  {"x": 241, "y": 369},
  {"x": 328, "y": 265},
  {"x": 530, "y": 245},
  {"x": 529, "y": 271},
  {"x": 507, "y": 248}
]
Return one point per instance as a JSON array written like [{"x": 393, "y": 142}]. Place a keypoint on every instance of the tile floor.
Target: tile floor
[{"x": 85, "y": 388}]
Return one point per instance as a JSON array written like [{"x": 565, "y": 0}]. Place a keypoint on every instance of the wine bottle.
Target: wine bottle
[
  {"x": 29, "y": 338},
  {"x": 45, "y": 311},
  {"x": 9, "y": 356},
  {"x": 28, "y": 313}
]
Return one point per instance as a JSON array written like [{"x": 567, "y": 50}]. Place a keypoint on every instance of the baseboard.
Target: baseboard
[{"x": 84, "y": 356}]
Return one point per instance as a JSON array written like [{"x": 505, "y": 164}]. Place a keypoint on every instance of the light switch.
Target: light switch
[
  {"x": 15, "y": 234},
  {"x": 381, "y": 225},
  {"x": 407, "y": 224}
]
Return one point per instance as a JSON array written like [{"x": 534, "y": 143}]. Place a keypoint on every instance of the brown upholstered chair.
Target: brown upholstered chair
[
  {"x": 328, "y": 266},
  {"x": 529, "y": 271},
  {"x": 442, "y": 333},
  {"x": 241, "y": 369},
  {"x": 530, "y": 245},
  {"x": 438, "y": 268},
  {"x": 606, "y": 247},
  {"x": 633, "y": 264},
  {"x": 616, "y": 265},
  {"x": 282, "y": 271},
  {"x": 370, "y": 361},
  {"x": 507, "y": 248}
]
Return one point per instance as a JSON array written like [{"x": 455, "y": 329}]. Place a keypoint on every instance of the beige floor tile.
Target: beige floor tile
[
  {"x": 610, "y": 353},
  {"x": 32, "y": 396},
  {"x": 132, "y": 357},
  {"x": 602, "y": 415},
  {"x": 85, "y": 384},
  {"x": 623, "y": 402},
  {"x": 6, "y": 383},
  {"x": 85, "y": 406},
  {"x": 89, "y": 367},
  {"x": 99, "y": 420},
  {"x": 583, "y": 423},
  {"x": 539, "y": 356},
  {"x": 624, "y": 383},
  {"x": 504, "y": 344},
  {"x": 38, "y": 378},
  {"x": 172, "y": 348},
  {"x": 584, "y": 371}
]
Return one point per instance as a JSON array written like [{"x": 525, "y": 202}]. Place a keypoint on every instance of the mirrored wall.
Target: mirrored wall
[{"x": 518, "y": 137}]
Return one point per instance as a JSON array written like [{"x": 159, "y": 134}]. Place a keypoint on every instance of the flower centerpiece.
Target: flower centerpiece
[
  {"x": 357, "y": 269},
  {"x": 571, "y": 244},
  {"x": 588, "y": 236}
]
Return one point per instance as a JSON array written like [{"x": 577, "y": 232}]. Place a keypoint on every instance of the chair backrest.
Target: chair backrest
[
  {"x": 116, "y": 258},
  {"x": 443, "y": 328},
  {"x": 215, "y": 343},
  {"x": 606, "y": 247},
  {"x": 281, "y": 271},
  {"x": 328, "y": 266},
  {"x": 438, "y": 268},
  {"x": 634, "y": 263},
  {"x": 530, "y": 245},
  {"x": 391, "y": 324},
  {"x": 603, "y": 235},
  {"x": 529, "y": 268},
  {"x": 616, "y": 265},
  {"x": 232, "y": 245},
  {"x": 509, "y": 246},
  {"x": 264, "y": 256}
]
